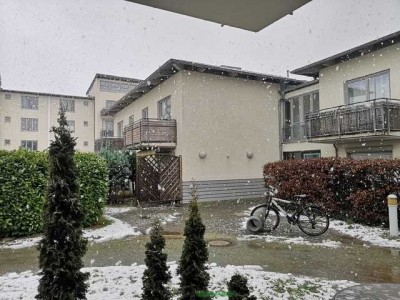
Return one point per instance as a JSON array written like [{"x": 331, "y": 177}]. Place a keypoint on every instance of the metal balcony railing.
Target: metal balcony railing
[{"x": 379, "y": 116}]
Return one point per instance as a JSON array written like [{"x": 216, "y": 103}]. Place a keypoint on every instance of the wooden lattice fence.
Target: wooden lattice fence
[{"x": 158, "y": 178}]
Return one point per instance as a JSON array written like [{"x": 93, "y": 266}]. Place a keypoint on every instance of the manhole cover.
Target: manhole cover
[{"x": 219, "y": 243}]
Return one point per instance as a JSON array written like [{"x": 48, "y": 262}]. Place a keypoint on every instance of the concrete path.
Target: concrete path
[{"x": 378, "y": 291}]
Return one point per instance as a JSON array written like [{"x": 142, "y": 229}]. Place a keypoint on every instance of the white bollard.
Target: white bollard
[{"x": 393, "y": 221}]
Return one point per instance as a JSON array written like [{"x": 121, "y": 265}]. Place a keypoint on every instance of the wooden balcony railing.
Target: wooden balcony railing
[
  {"x": 378, "y": 116},
  {"x": 150, "y": 133}
]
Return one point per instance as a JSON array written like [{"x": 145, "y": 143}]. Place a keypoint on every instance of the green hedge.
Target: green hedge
[
  {"x": 23, "y": 186},
  {"x": 348, "y": 189}
]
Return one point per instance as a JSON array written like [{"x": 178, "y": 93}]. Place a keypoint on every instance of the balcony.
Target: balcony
[
  {"x": 151, "y": 133},
  {"x": 375, "y": 119},
  {"x": 108, "y": 140}
]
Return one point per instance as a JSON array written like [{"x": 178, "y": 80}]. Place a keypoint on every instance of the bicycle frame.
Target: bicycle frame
[{"x": 273, "y": 201}]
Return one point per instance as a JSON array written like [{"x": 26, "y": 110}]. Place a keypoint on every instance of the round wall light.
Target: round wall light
[
  {"x": 249, "y": 154},
  {"x": 202, "y": 154}
]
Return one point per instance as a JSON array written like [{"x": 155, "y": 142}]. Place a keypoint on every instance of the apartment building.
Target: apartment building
[
  {"x": 351, "y": 109},
  {"x": 221, "y": 121},
  {"x": 27, "y": 117}
]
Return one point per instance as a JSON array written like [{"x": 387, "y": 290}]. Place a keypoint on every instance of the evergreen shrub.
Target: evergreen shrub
[
  {"x": 348, "y": 189},
  {"x": 24, "y": 178}
]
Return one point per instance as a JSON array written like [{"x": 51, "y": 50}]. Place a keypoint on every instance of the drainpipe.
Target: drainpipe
[{"x": 336, "y": 151}]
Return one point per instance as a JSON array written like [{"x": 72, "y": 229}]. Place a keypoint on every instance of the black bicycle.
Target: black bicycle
[{"x": 311, "y": 219}]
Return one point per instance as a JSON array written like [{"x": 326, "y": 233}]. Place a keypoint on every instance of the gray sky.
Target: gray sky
[{"x": 57, "y": 46}]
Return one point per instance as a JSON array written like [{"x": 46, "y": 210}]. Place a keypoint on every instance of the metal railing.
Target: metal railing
[
  {"x": 150, "y": 132},
  {"x": 380, "y": 116}
]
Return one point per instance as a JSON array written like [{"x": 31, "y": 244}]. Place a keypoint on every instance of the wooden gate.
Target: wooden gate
[{"x": 158, "y": 178}]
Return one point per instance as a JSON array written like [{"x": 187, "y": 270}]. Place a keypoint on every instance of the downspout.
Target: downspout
[
  {"x": 280, "y": 118},
  {"x": 336, "y": 151}
]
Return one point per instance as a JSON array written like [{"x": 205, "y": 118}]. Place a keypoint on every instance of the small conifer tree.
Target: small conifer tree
[
  {"x": 156, "y": 275},
  {"x": 194, "y": 278},
  {"x": 62, "y": 247},
  {"x": 237, "y": 288}
]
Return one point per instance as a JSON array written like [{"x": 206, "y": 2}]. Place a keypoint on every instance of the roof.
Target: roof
[
  {"x": 111, "y": 77},
  {"x": 251, "y": 15},
  {"x": 173, "y": 66},
  {"x": 314, "y": 68},
  {"x": 300, "y": 86},
  {"x": 46, "y": 94}
]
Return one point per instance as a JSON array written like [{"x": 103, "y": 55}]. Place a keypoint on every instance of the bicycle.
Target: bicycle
[{"x": 311, "y": 219}]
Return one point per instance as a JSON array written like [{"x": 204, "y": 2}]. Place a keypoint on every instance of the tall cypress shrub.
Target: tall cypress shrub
[
  {"x": 156, "y": 275},
  {"x": 194, "y": 278},
  {"x": 62, "y": 247}
]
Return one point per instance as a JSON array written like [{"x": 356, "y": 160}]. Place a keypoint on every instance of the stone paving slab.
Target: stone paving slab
[{"x": 377, "y": 291}]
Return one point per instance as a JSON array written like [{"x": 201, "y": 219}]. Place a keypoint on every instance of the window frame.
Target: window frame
[
  {"x": 30, "y": 124},
  {"x": 145, "y": 113},
  {"x": 71, "y": 125},
  {"x": 168, "y": 114},
  {"x": 70, "y": 106},
  {"x": 29, "y": 102},
  {"x": 34, "y": 144},
  {"x": 288, "y": 123},
  {"x": 367, "y": 85}
]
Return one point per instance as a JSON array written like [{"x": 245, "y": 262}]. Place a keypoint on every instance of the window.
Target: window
[
  {"x": 29, "y": 102},
  {"x": 295, "y": 114},
  {"x": 85, "y": 144},
  {"x": 145, "y": 113},
  {"x": 67, "y": 104},
  {"x": 85, "y": 123},
  {"x": 71, "y": 126},
  {"x": 86, "y": 103},
  {"x": 116, "y": 87},
  {"x": 120, "y": 129},
  {"x": 108, "y": 128},
  {"x": 33, "y": 145},
  {"x": 7, "y": 96},
  {"x": 370, "y": 152},
  {"x": 7, "y": 119},
  {"x": 164, "y": 108},
  {"x": 29, "y": 124},
  {"x": 110, "y": 103},
  {"x": 369, "y": 87},
  {"x": 131, "y": 120},
  {"x": 301, "y": 154},
  {"x": 7, "y": 142}
]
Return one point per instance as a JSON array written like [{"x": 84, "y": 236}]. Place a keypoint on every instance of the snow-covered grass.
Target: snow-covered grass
[
  {"x": 116, "y": 230},
  {"x": 124, "y": 282},
  {"x": 370, "y": 235},
  {"x": 111, "y": 211}
]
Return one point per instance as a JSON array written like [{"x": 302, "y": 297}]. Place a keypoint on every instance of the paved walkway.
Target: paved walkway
[{"x": 377, "y": 291}]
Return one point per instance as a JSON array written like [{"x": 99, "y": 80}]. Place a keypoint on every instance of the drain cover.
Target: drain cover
[{"x": 219, "y": 243}]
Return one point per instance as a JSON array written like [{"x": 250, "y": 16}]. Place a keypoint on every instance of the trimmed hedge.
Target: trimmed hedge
[
  {"x": 348, "y": 189},
  {"x": 23, "y": 186}
]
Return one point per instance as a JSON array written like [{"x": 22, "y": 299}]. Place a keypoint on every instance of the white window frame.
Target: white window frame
[
  {"x": 29, "y": 144},
  {"x": 29, "y": 124},
  {"x": 29, "y": 102},
  {"x": 164, "y": 115},
  {"x": 68, "y": 105},
  {"x": 367, "y": 87}
]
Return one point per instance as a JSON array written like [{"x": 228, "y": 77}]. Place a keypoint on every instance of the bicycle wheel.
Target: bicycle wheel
[
  {"x": 312, "y": 220},
  {"x": 269, "y": 214}
]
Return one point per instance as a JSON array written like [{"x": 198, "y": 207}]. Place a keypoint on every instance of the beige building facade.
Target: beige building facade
[
  {"x": 225, "y": 123},
  {"x": 220, "y": 116},
  {"x": 358, "y": 110},
  {"x": 26, "y": 119}
]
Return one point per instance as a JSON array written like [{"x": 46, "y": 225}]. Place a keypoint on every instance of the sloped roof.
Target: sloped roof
[
  {"x": 314, "y": 68},
  {"x": 173, "y": 66}
]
